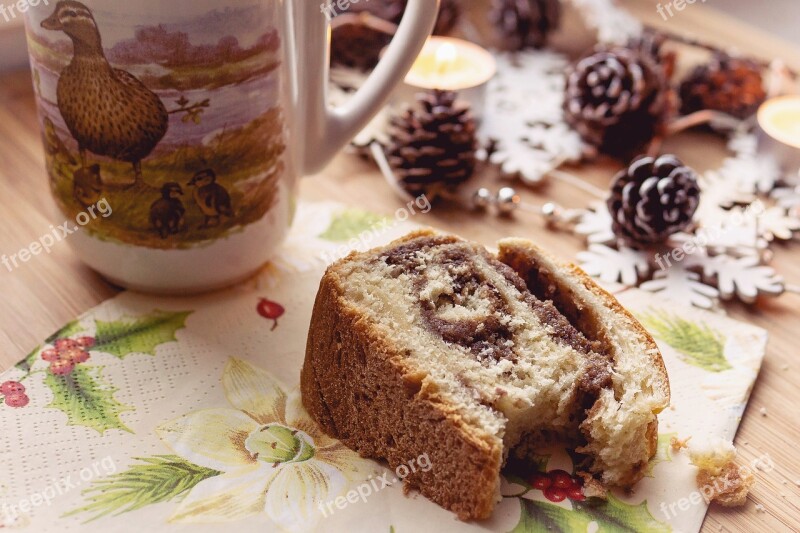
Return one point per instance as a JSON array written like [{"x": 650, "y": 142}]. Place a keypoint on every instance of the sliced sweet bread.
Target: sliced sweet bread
[{"x": 434, "y": 347}]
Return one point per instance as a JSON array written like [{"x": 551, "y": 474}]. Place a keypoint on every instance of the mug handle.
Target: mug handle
[{"x": 327, "y": 130}]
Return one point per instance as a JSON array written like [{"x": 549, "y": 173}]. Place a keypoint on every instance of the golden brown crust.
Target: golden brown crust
[
  {"x": 360, "y": 390},
  {"x": 521, "y": 255}
]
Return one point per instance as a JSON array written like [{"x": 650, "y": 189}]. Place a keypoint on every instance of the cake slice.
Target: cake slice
[{"x": 434, "y": 347}]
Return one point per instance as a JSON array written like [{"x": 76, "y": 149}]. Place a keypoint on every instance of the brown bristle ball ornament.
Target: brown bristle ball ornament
[
  {"x": 522, "y": 24},
  {"x": 392, "y": 10},
  {"x": 432, "y": 148},
  {"x": 653, "y": 199},
  {"x": 728, "y": 84},
  {"x": 357, "y": 40},
  {"x": 617, "y": 99}
]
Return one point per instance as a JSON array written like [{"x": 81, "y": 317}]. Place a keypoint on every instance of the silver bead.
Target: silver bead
[
  {"x": 551, "y": 211},
  {"x": 507, "y": 201},
  {"x": 482, "y": 198}
]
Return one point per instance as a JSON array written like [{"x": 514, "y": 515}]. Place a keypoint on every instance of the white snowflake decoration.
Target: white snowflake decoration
[
  {"x": 743, "y": 277},
  {"x": 777, "y": 224},
  {"x": 613, "y": 24},
  {"x": 524, "y": 120},
  {"x": 595, "y": 225},
  {"x": 748, "y": 170},
  {"x": 623, "y": 265},
  {"x": 788, "y": 199},
  {"x": 716, "y": 262},
  {"x": 681, "y": 284}
]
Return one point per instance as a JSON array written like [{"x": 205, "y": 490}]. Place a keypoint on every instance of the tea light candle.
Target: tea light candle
[
  {"x": 779, "y": 130},
  {"x": 454, "y": 65}
]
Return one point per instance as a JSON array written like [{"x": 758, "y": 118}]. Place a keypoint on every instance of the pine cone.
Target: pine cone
[
  {"x": 729, "y": 84},
  {"x": 432, "y": 149},
  {"x": 653, "y": 199},
  {"x": 651, "y": 43},
  {"x": 617, "y": 100},
  {"x": 358, "y": 40},
  {"x": 392, "y": 10},
  {"x": 525, "y": 23}
]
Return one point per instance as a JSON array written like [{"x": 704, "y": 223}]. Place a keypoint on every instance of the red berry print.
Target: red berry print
[
  {"x": 50, "y": 355},
  {"x": 12, "y": 387},
  {"x": 561, "y": 479},
  {"x": 86, "y": 342},
  {"x": 540, "y": 481},
  {"x": 82, "y": 357},
  {"x": 575, "y": 493},
  {"x": 62, "y": 367},
  {"x": 555, "y": 494},
  {"x": 17, "y": 399},
  {"x": 62, "y": 345},
  {"x": 75, "y": 355},
  {"x": 271, "y": 311}
]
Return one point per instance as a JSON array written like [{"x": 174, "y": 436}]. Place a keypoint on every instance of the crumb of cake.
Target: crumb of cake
[
  {"x": 719, "y": 478},
  {"x": 785, "y": 367},
  {"x": 763, "y": 465},
  {"x": 760, "y": 508},
  {"x": 592, "y": 488},
  {"x": 763, "y": 411},
  {"x": 677, "y": 444}
]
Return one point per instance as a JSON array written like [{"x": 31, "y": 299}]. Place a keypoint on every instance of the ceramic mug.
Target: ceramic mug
[{"x": 190, "y": 124}]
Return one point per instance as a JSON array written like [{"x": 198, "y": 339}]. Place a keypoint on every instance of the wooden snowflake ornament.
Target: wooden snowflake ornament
[{"x": 529, "y": 141}]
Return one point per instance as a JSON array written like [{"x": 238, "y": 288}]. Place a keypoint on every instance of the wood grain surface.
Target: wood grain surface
[{"x": 52, "y": 289}]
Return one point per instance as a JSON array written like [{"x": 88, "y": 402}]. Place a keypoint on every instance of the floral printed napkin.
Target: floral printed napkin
[{"x": 175, "y": 414}]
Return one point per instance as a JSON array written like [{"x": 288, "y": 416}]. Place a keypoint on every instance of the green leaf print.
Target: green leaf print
[
  {"x": 610, "y": 516},
  {"x": 138, "y": 335},
  {"x": 350, "y": 224},
  {"x": 86, "y": 399},
  {"x": 663, "y": 452},
  {"x": 159, "y": 479},
  {"x": 697, "y": 343},
  {"x": 67, "y": 331},
  {"x": 27, "y": 364}
]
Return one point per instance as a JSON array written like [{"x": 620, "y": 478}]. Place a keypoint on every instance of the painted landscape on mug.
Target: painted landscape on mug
[{"x": 202, "y": 98}]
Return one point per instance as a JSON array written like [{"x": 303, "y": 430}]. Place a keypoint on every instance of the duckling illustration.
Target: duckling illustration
[
  {"x": 167, "y": 213},
  {"x": 53, "y": 144},
  {"x": 88, "y": 186},
  {"x": 108, "y": 111},
  {"x": 212, "y": 198}
]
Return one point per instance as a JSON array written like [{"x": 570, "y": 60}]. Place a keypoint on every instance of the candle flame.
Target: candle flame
[
  {"x": 780, "y": 119},
  {"x": 446, "y": 56}
]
